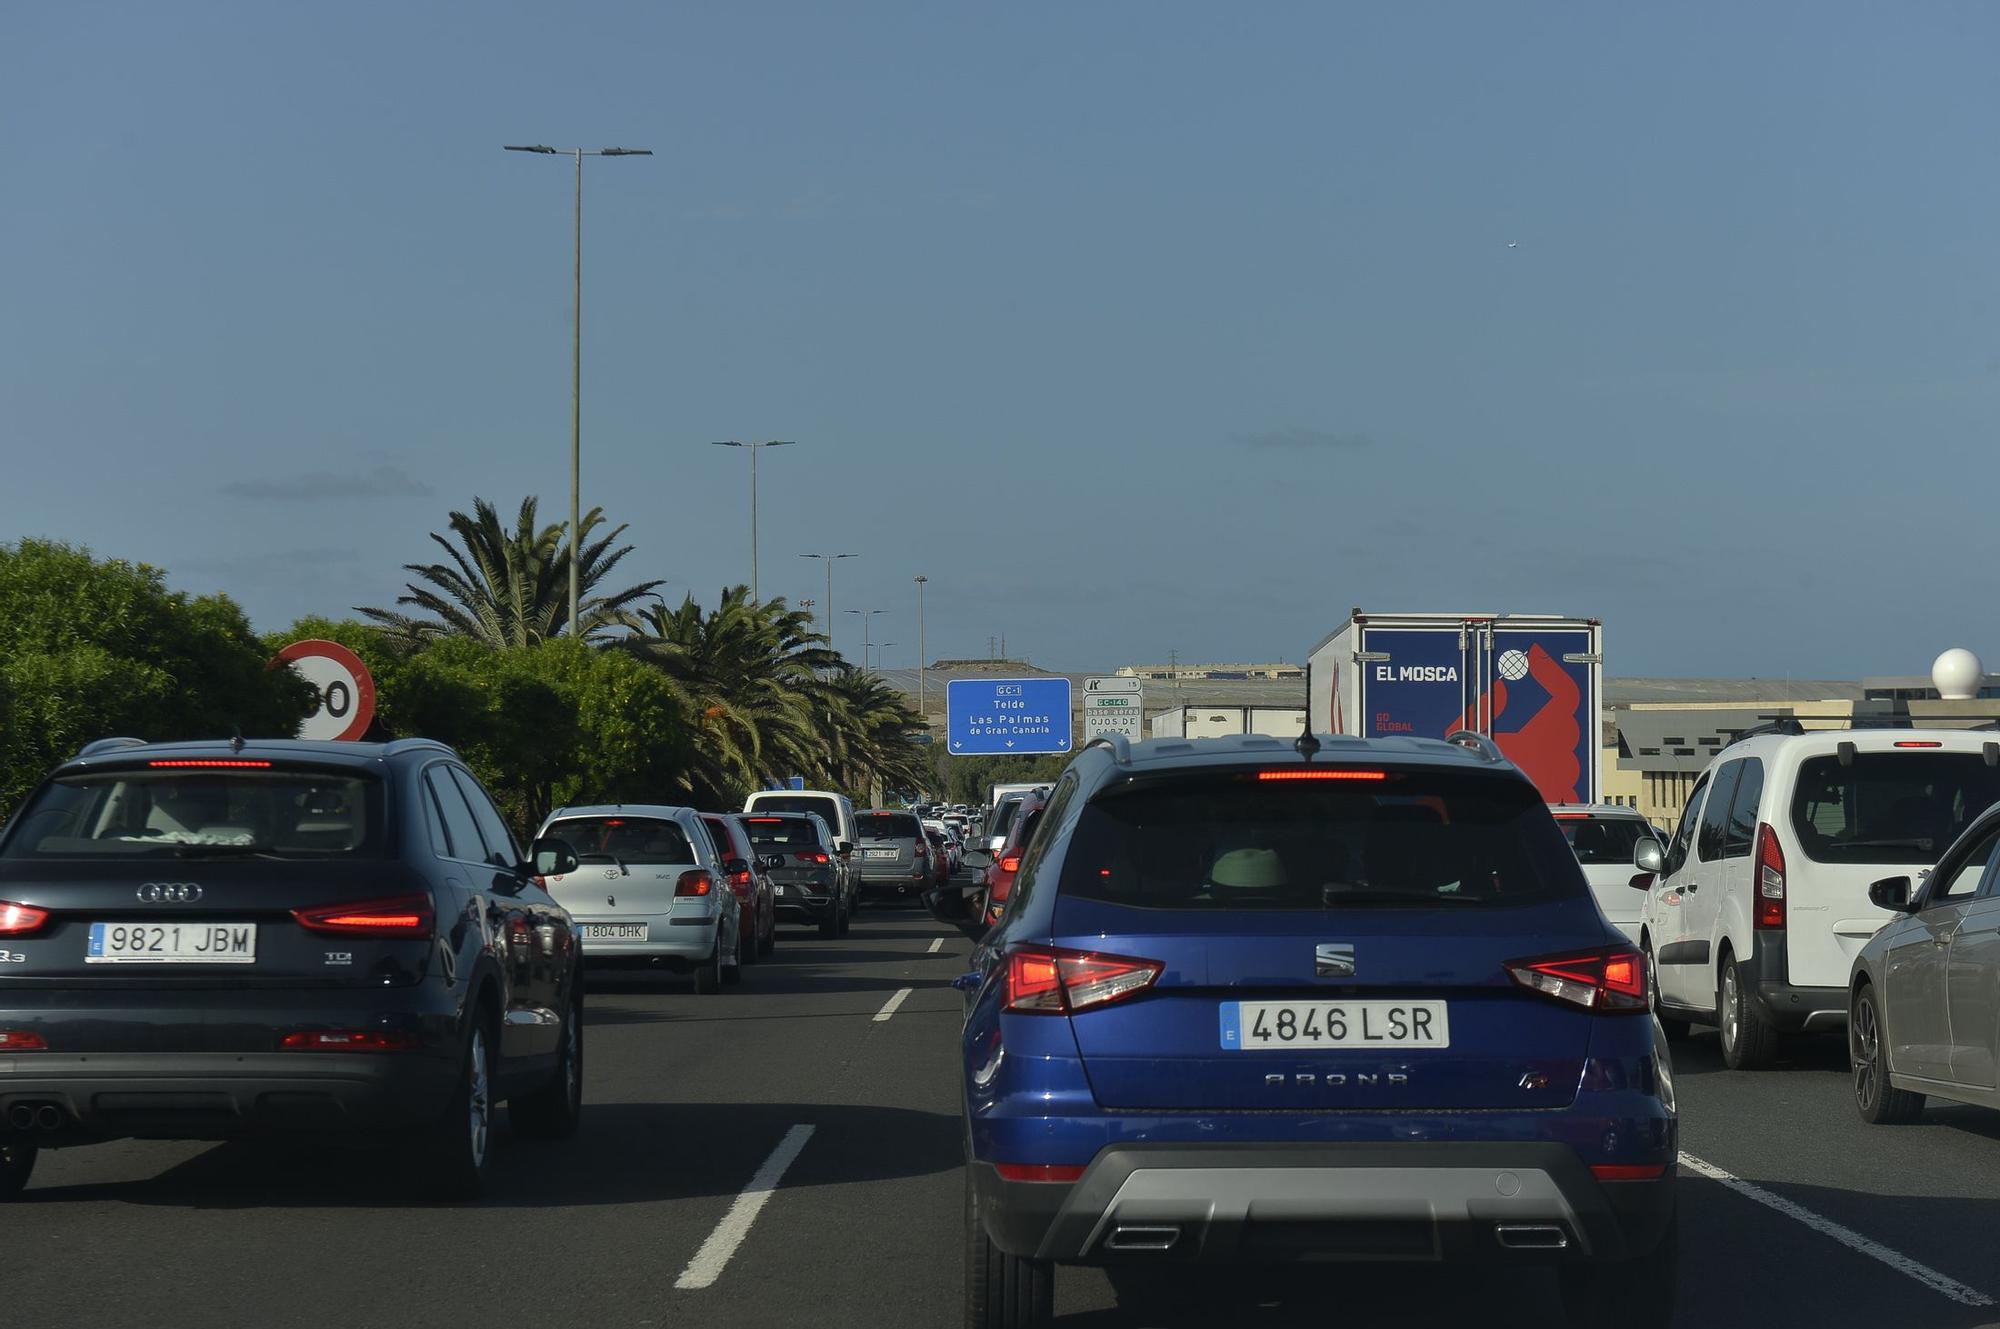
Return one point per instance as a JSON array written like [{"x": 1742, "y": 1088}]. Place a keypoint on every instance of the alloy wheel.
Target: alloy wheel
[
  {"x": 477, "y": 1099},
  {"x": 1865, "y": 1050},
  {"x": 1731, "y": 1012}
]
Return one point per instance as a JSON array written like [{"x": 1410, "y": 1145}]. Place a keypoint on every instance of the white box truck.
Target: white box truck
[
  {"x": 1532, "y": 683},
  {"x": 1219, "y": 721}
]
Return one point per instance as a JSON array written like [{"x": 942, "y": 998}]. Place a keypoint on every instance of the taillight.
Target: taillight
[
  {"x": 403, "y": 916},
  {"x": 818, "y": 856},
  {"x": 18, "y": 919},
  {"x": 20, "y": 1040},
  {"x": 1322, "y": 773},
  {"x": 922, "y": 852},
  {"x": 1039, "y": 1171},
  {"x": 694, "y": 883},
  {"x": 348, "y": 1040},
  {"x": 227, "y": 764},
  {"x": 740, "y": 878},
  {"x": 1628, "y": 1171},
  {"x": 1011, "y": 863},
  {"x": 1612, "y": 981},
  {"x": 1770, "y": 878},
  {"x": 1046, "y": 980}
]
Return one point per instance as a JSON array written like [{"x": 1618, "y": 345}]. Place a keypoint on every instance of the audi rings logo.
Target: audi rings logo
[{"x": 170, "y": 892}]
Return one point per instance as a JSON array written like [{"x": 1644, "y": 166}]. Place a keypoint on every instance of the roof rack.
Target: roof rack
[
  {"x": 103, "y": 745},
  {"x": 1791, "y": 726},
  {"x": 1121, "y": 746},
  {"x": 1476, "y": 743}
]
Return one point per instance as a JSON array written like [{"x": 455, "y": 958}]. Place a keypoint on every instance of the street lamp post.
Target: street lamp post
[
  {"x": 923, "y": 657},
  {"x": 882, "y": 655},
  {"x": 827, "y": 617},
  {"x": 754, "y": 448},
  {"x": 576, "y": 365},
  {"x": 864, "y": 615}
]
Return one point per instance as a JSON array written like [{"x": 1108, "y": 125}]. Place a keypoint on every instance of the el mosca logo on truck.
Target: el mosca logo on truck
[{"x": 1416, "y": 673}]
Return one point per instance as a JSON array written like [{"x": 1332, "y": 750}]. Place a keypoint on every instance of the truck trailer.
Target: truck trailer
[
  {"x": 1219, "y": 721},
  {"x": 1532, "y": 683}
]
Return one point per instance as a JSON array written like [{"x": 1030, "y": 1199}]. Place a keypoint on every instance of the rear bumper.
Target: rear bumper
[
  {"x": 677, "y": 940},
  {"x": 1509, "y": 1203},
  {"x": 216, "y": 1096},
  {"x": 1785, "y": 1005}
]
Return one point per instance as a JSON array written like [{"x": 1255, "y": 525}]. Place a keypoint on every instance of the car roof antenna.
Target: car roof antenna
[
  {"x": 236, "y": 741},
  {"x": 1306, "y": 745}
]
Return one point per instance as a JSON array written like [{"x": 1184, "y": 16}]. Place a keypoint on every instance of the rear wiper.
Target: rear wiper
[{"x": 585, "y": 858}]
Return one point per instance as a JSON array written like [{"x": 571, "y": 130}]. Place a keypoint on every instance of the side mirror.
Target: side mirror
[
  {"x": 1891, "y": 893},
  {"x": 977, "y": 859},
  {"x": 1649, "y": 856},
  {"x": 774, "y": 862},
  {"x": 554, "y": 858},
  {"x": 844, "y": 848},
  {"x": 735, "y": 866}
]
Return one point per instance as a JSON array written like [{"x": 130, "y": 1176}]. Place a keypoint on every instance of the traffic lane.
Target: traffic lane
[
  {"x": 1924, "y": 1190},
  {"x": 685, "y": 1096}
]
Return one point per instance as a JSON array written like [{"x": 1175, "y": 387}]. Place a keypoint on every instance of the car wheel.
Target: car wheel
[
  {"x": 846, "y": 918},
  {"x": 552, "y": 1111},
  {"x": 1748, "y": 1039},
  {"x": 708, "y": 974},
  {"x": 452, "y": 1152},
  {"x": 770, "y": 941},
  {"x": 1880, "y": 1102},
  {"x": 747, "y": 949},
  {"x": 1675, "y": 1030},
  {"x": 1003, "y": 1291},
  {"x": 17, "y": 1164},
  {"x": 1634, "y": 1294},
  {"x": 733, "y": 971}
]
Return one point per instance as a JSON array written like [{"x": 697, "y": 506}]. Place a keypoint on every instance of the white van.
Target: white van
[
  {"x": 1761, "y": 900},
  {"x": 836, "y": 810}
]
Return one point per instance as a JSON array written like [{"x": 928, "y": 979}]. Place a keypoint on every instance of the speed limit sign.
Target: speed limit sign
[{"x": 345, "y": 691}]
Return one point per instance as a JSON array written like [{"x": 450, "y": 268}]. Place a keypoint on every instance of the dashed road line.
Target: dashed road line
[
  {"x": 937, "y": 944},
  {"x": 889, "y": 1006},
  {"x": 1846, "y": 1236},
  {"x": 709, "y": 1262}
]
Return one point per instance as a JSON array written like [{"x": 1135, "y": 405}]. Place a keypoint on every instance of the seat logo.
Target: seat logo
[
  {"x": 169, "y": 892},
  {"x": 1334, "y": 959}
]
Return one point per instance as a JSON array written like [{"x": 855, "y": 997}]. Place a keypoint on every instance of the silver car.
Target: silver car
[
  {"x": 1923, "y": 1014},
  {"x": 648, "y": 891}
]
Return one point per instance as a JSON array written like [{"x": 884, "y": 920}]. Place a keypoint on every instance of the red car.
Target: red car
[
  {"x": 1000, "y": 875},
  {"x": 750, "y": 881}
]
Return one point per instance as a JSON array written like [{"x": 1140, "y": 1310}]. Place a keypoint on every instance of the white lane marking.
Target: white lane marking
[
  {"x": 937, "y": 944},
  {"x": 889, "y": 1007},
  {"x": 708, "y": 1262},
  {"x": 1846, "y": 1236}
]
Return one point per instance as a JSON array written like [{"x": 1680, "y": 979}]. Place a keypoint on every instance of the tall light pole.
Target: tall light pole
[
  {"x": 576, "y": 364},
  {"x": 923, "y": 657},
  {"x": 864, "y": 615},
  {"x": 827, "y": 617},
  {"x": 882, "y": 655},
  {"x": 754, "y": 448}
]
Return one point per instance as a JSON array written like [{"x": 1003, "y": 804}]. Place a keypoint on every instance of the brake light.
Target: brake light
[
  {"x": 740, "y": 878},
  {"x": 694, "y": 883},
  {"x": 20, "y": 1040},
  {"x": 18, "y": 919},
  {"x": 1918, "y": 743},
  {"x": 818, "y": 856},
  {"x": 923, "y": 852},
  {"x": 1610, "y": 981},
  {"x": 1046, "y": 980},
  {"x": 216, "y": 763},
  {"x": 1011, "y": 863},
  {"x": 1039, "y": 1171},
  {"x": 403, "y": 916},
  {"x": 1328, "y": 773},
  {"x": 348, "y": 1040},
  {"x": 1628, "y": 1171},
  {"x": 765, "y": 821},
  {"x": 1770, "y": 878}
]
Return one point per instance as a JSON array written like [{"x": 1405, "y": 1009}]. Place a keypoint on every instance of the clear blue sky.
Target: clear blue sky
[{"x": 1136, "y": 327}]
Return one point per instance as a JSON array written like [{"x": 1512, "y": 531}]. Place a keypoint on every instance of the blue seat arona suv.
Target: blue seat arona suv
[{"x": 1260, "y": 1003}]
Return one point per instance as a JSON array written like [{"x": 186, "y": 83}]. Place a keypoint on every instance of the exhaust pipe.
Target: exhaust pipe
[
  {"x": 1531, "y": 1236},
  {"x": 1142, "y": 1238},
  {"x": 21, "y": 1117},
  {"x": 49, "y": 1117}
]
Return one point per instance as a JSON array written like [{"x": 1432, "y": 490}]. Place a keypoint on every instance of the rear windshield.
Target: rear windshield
[
  {"x": 207, "y": 814},
  {"x": 1235, "y": 842},
  {"x": 1597, "y": 840},
  {"x": 1003, "y": 817},
  {"x": 887, "y": 826},
  {"x": 625, "y": 840},
  {"x": 827, "y": 809},
  {"x": 782, "y": 832},
  {"x": 1889, "y": 807}
]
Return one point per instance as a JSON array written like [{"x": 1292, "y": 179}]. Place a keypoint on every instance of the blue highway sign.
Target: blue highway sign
[{"x": 985, "y": 716}]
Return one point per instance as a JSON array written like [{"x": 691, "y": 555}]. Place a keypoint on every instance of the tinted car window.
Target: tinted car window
[
  {"x": 1231, "y": 842},
  {"x": 719, "y": 836},
  {"x": 459, "y": 826},
  {"x": 1742, "y": 826},
  {"x": 1677, "y": 852},
  {"x": 1002, "y": 816},
  {"x": 629, "y": 840},
  {"x": 827, "y": 808},
  {"x": 1715, "y": 814},
  {"x": 782, "y": 832},
  {"x": 1889, "y": 807},
  {"x": 501, "y": 850},
  {"x": 206, "y": 814},
  {"x": 887, "y": 826},
  {"x": 1604, "y": 839}
]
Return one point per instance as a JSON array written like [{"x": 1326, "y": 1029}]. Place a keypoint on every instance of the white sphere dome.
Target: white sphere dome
[{"x": 1958, "y": 674}]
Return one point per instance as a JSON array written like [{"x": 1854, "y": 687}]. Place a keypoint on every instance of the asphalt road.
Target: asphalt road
[{"x": 689, "y": 1099}]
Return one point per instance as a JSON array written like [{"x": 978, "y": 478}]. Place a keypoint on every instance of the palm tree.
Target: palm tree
[
  {"x": 511, "y": 588},
  {"x": 749, "y": 671},
  {"x": 871, "y": 734}
]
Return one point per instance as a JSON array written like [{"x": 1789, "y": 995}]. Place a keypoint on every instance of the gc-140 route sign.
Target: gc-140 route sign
[{"x": 984, "y": 716}]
